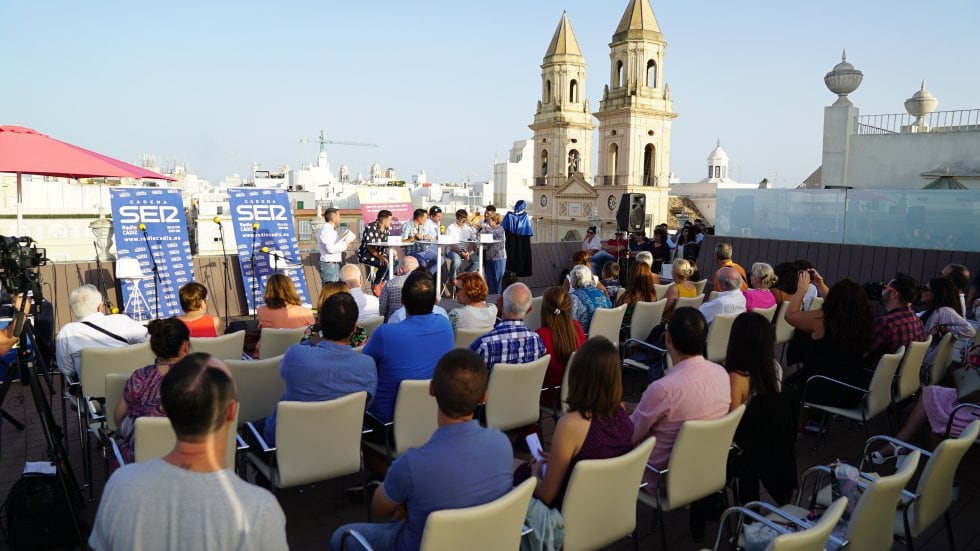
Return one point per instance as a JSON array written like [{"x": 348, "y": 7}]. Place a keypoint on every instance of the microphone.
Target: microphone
[
  {"x": 264, "y": 250},
  {"x": 217, "y": 220},
  {"x": 255, "y": 226},
  {"x": 142, "y": 227}
]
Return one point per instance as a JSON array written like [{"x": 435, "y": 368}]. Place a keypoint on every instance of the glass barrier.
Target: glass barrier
[{"x": 922, "y": 219}]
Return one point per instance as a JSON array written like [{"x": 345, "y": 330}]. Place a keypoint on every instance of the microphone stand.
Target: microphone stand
[
  {"x": 224, "y": 256},
  {"x": 156, "y": 273},
  {"x": 255, "y": 276}
]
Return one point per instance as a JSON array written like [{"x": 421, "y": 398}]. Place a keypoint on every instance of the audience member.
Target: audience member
[
  {"x": 474, "y": 312},
  {"x": 597, "y": 426},
  {"x": 611, "y": 251},
  {"x": 495, "y": 256},
  {"x": 375, "y": 255},
  {"x": 730, "y": 300},
  {"x": 959, "y": 276},
  {"x": 189, "y": 499},
  {"x": 282, "y": 308},
  {"x": 610, "y": 279},
  {"x": 723, "y": 258},
  {"x": 581, "y": 258},
  {"x": 509, "y": 279},
  {"x": 194, "y": 303},
  {"x": 391, "y": 294},
  {"x": 644, "y": 257},
  {"x": 593, "y": 245},
  {"x": 762, "y": 279},
  {"x": 561, "y": 336},
  {"x": 169, "y": 341},
  {"x": 681, "y": 271},
  {"x": 461, "y": 251},
  {"x": 586, "y": 297},
  {"x": 330, "y": 368},
  {"x": 510, "y": 341},
  {"x": 840, "y": 333},
  {"x": 328, "y": 290},
  {"x": 462, "y": 464},
  {"x": 368, "y": 306},
  {"x": 693, "y": 389},
  {"x": 639, "y": 288},
  {"x": 410, "y": 349},
  {"x": 942, "y": 315},
  {"x": 332, "y": 243},
  {"x": 750, "y": 361},
  {"x": 660, "y": 248},
  {"x": 900, "y": 326},
  {"x": 93, "y": 329}
]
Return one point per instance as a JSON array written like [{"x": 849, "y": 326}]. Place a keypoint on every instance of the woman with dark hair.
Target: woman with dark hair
[
  {"x": 750, "y": 361},
  {"x": 840, "y": 332},
  {"x": 282, "y": 308},
  {"x": 639, "y": 288},
  {"x": 561, "y": 336},
  {"x": 942, "y": 315},
  {"x": 595, "y": 427},
  {"x": 169, "y": 341},
  {"x": 659, "y": 249},
  {"x": 194, "y": 303}
]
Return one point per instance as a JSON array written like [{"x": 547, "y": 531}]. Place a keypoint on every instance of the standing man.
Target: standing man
[
  {"x": 332, "y": 244},
  {"x": 460, "y": 253},
  {"x": 376, "y": 255},
  {"x": 432, "y": 230},
  {"x": 189, "y": 499}
]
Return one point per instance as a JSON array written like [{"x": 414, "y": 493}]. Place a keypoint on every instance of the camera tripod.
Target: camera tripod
[{"x": 33, "y": 368}]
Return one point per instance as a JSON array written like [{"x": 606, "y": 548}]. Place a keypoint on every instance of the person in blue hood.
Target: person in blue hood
[{"x": 517, "y": 234}]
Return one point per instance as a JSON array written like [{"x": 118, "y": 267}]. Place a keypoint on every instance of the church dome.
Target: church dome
[{"x": 718, "y": 156}]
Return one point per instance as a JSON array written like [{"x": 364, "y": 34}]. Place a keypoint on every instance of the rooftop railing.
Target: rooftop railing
[{"x": 963, "y": 120}]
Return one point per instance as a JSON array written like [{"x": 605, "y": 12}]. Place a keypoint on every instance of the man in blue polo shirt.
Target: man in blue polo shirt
[
  {"x": 462, "y": 465},
  {"x": 410, "y": 349}
]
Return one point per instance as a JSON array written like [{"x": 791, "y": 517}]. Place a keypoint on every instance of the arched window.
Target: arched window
[
  {"x": 544, "y": 162},
  {"x": 711, "y": 171},
  {"x": 718, "y": 171},
  {"x": 619, "y": 74},
  {"x": 574, "y": 161},
  {"x": 573, "y": 91},
  {"x": 612, "y": 163},
  {"x": 652, "y": 73},
  {"x": 648, "y": 165},
  {"x": 547, "y": 91}
]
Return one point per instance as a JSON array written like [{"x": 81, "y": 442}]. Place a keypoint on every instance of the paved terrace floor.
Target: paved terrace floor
[{"x": 313, "y": 512}]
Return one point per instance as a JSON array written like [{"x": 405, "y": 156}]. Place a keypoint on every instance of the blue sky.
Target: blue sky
[{"x": 447, "y": 86}]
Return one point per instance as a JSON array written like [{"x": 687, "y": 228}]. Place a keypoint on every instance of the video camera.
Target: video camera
[{"x": 19, "y": 259}]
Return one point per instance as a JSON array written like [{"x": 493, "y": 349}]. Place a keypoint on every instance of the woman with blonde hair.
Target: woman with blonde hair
[
  {"x": 682, "y": 287},
  {"x": 561, "y": 336},
  {"x": 282, "y": 308},
  {"x": 761, "y": 280}
]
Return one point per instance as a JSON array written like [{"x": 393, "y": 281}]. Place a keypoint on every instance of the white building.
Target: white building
[
  {"x": 512, "y": 179},
  {"x": 704, "y": 192}
]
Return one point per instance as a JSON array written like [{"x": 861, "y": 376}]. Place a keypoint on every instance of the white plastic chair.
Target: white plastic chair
[
  {"x": 692, "y": 302},
  {"x": 646, "y": 316},
  {"x": 274, "y": 342},
  {"x": 154, "y": 437},
  {"x": 514, "y": 392},
  {"x": 223, "y": 347},
  {"x": 768, "y": 313},
  {"x": 718, "y": 336},
  {"x": 489, "y": 527},
  {"x": 713, "y": 295},
  {"x": 260, "y": 386},
  {"x": 816, "y": 303},
  {"x": 700, "y": 285},
  {"x": 371, "y": 324},
  {"x": 465, "y": 337},
  {"x": 812, "y": 537},
  {"x": 941, "y": 360},
  {"x": 533, "y": 319},
  {"x": 661, "y": 289},
  {"x": 414, "y": 421},
  {"x": 909, "y": 379},
  {"x": 606, "y": 322}
]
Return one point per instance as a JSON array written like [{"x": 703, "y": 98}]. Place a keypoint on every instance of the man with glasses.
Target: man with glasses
[{"x": 899, "y": 326}]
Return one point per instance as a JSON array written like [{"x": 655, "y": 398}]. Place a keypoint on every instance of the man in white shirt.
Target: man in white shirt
[
  {"x": 730, "y": 299},
  {"x": 368, "y": 306},
  {"x": 93, "y": 329},
  {"x": 461, "y": 253},
  {"x": 431, "y": 230},
  {"x": 332, "y": 244}
]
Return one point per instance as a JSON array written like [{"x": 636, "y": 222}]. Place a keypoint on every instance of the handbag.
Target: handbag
[{"x": 967, "y": 379}]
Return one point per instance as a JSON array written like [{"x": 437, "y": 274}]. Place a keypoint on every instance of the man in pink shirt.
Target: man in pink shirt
[{"x": 693, "y": 389}]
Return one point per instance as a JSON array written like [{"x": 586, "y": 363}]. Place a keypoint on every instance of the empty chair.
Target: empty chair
[
  {"x": 874, "y": 400},
  {"x": 768, "y": 313},
  {"x": 465, "y": 337},
  {"x": 533, "y": 319},
  {"x": 414, "y": 421},
  {"x": 260, "y": 386},
  {"x": 371, "y": 324},
  {"x": 646, "y": 316},
  {"x": 909, "y": 372},
  {"x": 513, "y": 393},
  {"x": 606, "y": 322},
  {"x": 274, "y": 342},
  {"x": 697, "y": 467},
  {"x": 812, "y": 537},
  {"x": 600, "y": 503},
  {"x": 718, "y": 333},
  {"x": 154, "y": 437},
  {"x": 488, "y": 527},
  {"x": 692, "y": 302},
  {"x": 940, "y": 361},
  {"x": 224, "y": 347}
]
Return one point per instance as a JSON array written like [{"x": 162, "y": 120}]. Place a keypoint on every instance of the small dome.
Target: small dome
[
  {"x": 921, "y": 102},
  {"x": 843, "y": 80},
  {"x": 717, "y": 156}
]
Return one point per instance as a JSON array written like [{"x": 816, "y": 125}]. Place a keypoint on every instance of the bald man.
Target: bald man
[
  {"x": 368, "y": 306},
  {"x": 391, "y": 295},
  {"x": 510, "y": 341},
  {"x": 730, "y": 299}
]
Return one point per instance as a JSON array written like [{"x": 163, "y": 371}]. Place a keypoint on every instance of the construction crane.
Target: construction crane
[{"x": 323, "y": 142}]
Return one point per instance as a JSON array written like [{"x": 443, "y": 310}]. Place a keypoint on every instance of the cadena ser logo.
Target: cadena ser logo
[
  {"x": 134, "y": 214},
  {"x": 261, "y": 213}
]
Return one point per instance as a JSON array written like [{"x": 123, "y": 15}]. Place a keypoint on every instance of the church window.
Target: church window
[
  {"x": 652, "y": 73},
  {"x": 619, "y": 74},
  {"x": 544, "y": 162},
  {"x": 711, "y": 171},
  {"x": 573, "y": 91},
  {"x": 547, "y": 91},
  {"x": 718, "y": 172},
  {"x": 648, "y": 165},
  {"x": 573, "y": 162},
  {"x": 612, "y": 162}
]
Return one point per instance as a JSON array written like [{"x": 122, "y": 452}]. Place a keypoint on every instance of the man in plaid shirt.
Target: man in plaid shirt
[
  {"x": 510, "y": 341},
  {"x": 391, "y": 294},
  {"x": 900, "y": 326}
]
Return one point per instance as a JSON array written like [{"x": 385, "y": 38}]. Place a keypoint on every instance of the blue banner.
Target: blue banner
[
  {"x": 266, "y": 236},
  {"x": 161, "y": 212}
]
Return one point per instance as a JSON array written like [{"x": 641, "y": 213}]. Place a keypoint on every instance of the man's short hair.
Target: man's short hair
[
  {"x": 730, "y": 279},
  {"x": 84, "y": 300},
  {"x": 419, "y": 293},
  {"x": 723, "y": 251},
  {"x": 459, "y": 382},
  {"x": 384, "y": 213},
  {"x": 351, "y": 275},
  {"x": 645, "y": 257},
  {"x": 688, "y": 331},
  {"x": 434, "y": 210},
  {"x": 461, "y": 214},
  {"x": 418, "y": 213},
  {"x": 959, "y": 275},
  {"x": 338, "y": 317},
  {"x": 906, "y": 286},
  {"x": 196, "y": 395},
  {"x": 517, "y": 300},
  {"x": 328, "y": 212}
]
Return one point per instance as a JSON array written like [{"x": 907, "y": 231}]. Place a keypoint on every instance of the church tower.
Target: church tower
[
  {"x": 562, "y": 129},
  {"x": 635, "y": 116}
]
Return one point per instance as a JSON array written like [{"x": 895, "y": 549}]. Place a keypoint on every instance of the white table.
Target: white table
[{"x": 391, "y": 256}]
